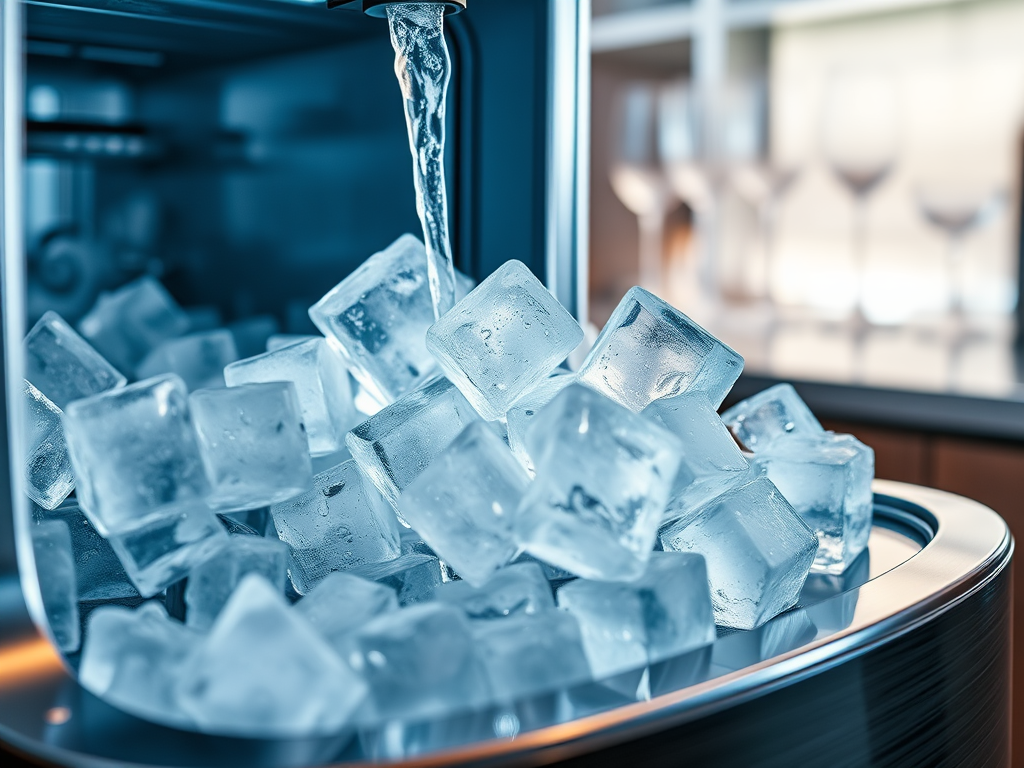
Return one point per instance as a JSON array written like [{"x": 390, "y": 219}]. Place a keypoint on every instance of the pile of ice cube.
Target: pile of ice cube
[{"x": 494, "y": 527}]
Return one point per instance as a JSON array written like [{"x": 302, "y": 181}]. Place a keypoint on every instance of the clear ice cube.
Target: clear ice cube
[
  {"x": 252, "y": 334},
  {"x": 135, "y": 454},
  {"x": 502, "y": 339},
  {"x": 464, "y": 502},
  {"x": 520, "y": 416},
  {"x": 775, "y": 412},
  {"x": 48, "y": 474},
  {"x": 339, "y": 524},
  {"x": 63, "y": 366},
  {"x": 414, "y": 576},
  {"x": 321, "y": 380},
  {"x": 758, "y": 552},
  {"x": 55, "y": 570},
  {"x": 649, "y": 350},
  {"x": 604, "y": 475},
  {"x": 253, "y": 444},
  {"x": 342, "y": 603},
  {"x": 198, "y": 358},
  {"x": 520, "y": 589}
]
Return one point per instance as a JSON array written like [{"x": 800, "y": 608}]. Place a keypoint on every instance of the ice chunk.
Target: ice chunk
[
  {"x": 212, "y": 582},
  {"x": 198, "y": 358},
  {"x": 420, "y": 662},
  {"x": 63, "y": 366},
  {"x": 55, "y": 569},
  {"x": 163, "y": 551},
  {"x": 379, "y": 316},
  {"x": 263, "y": 671},
  {"x": 203, "y": 317},
  {"x": 757, "y": 549},
  {"x": 135, "y": 454},
  {"x": 341, "y": 523},
  {"x": 252, "y": 334},
  {"x": 48, "y": 474},
  {"x": 649, "y": 350},
  {"x": 712, "y": 462},
  {"x": 603, "y": 478},
  {"x": 126, "y": 324},
  {"x": 253, "y": 444},
  {"x": 502, "y": 339},
  {"x": 321, "y": 380},
  {"x": 827, "y": 478},
  {"x": 415, "y": 576},
  {"x": 520, "y": 589},
  {"x": 775, "y": 412},
  {"x": 278, "y": 341},
  {"x": 132, "y": 660},
  {"x": 666, "y": 613},
  {"x": 520, "y": 415},
  {"x": 394, "y": 446},
  {"x": 342, "y": 603},
  {"x": 529, "y": 654},
  {"x": 463, "y": 503}
]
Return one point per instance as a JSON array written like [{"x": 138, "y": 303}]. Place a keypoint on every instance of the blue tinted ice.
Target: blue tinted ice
[
  {"x": 281, "y": 340},
  {"x": 342, "y": 603},
  {"x": 502, "y": 339},
  {"x": 775, "y": 412},
  {"x": 757, "y": 549},
  {"x": 520, "y": 416},
  {"x": 649, "y": 350},
  {"x": 414, "y": 576},
  {"x": 252, "y": 334},
  {"x": 198, "y": 358},
  {"x": 519, "y": 590},
  {"x": 48, "y": 474},
  {"x": 55, "y": 569},
  {"x": 604, "y": 475}
]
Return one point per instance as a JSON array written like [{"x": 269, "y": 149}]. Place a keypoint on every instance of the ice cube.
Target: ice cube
[
  {"x": 341, "y": 523},
  {"x": 203, "y": 317},
  {"x": 775, "y": 412},
  {"x": 464, "y": 502},
  {"x": 342, "y": 603},
  {"x": 263, "y": 671},
  {"x": 414, "y": 576},
  {"x": 253, "y": 444},
  {"x": 520, "y": 415},
  {"x": 420, "y": 662},
  {"x": 55, "y": 570},
  {"x": 135, "y": 454},
  {"x": 198, "y": 358},
  {"x": 827, "y": 478},
  {"x": 321, "y": 380},
  {"x": 163, "y": 551},
  {"x": 758, "y": 552},
  {"x": 63, "y": 366},
  {"x": 126, "y": 324},
  {"x": 520, "y": 589},
  {"x": 393, "y": 447},
  {"x": 132, "y": 660},
  {"x": 649, "y": 350},
  {"x": 603, "y": 478},
  {"x": 278, "y": 341},
  {"x": 48, "y": 474},
  {"x": 502, "y": 339},
  {"x": 330, "y": 460},
  {"x": 213, "y": 581},
  {"x": 529, "y": 654},
  {"x": 252, "y": 334}
]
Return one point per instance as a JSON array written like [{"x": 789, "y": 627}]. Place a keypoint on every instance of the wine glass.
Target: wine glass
[{"x": 636, "y": 175}]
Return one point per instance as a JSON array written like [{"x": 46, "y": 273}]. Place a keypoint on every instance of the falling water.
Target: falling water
[{"x": 423, "y": 69}]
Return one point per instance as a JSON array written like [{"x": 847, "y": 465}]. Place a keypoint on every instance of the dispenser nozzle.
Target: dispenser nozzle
[{"x": 379, "y": 7}]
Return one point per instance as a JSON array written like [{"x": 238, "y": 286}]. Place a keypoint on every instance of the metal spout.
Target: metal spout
[{"x": 378, "y": 8}]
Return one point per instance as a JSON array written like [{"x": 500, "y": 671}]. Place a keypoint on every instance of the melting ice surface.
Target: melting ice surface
[{"x": 423, "y": 70}]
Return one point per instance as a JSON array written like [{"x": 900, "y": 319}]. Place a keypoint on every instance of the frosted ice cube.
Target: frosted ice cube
[
  {"x": 649, "y": 350},
  {"x": 339, "y": 524},
  {"x": 253, "y": 444},
  {"x": 342, "y": 603},
  {"x": 394, "y": 446},
  {"x": 132, "y": 660},
  {"x": 126, "y": 324},
  {"x": 414, "y": 576},
  {"x": 827, "y": 478},
  {"x": 775, "y": 412},
  {"x": 603, "y": 478},
  {"x": 63, "y": 366},
  {"x": 420, "y": 662},
  {"x": 263, "y": 671},
  {"x": 48, "y": 474},
  {"x": 528, "y": 654},
  {"x": 665, "y": 613},
  {"x": 520, "y": 416},
  {"x": 520, "y": 589},
  {"x": 463, "y": 503},
  {"x": 198, "y": 358},
  {"x": 135, "y": 454},
  {"x": 213, "y": 581},
  {"x": 163, "y": 551},
  {"x": 55, "y": 570},
  {"x": 757, "y": 549},
  {"x": 321, "y": 380},
  {"x": 252, "y": 334},
  {"x": 502, "y": 339}
]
